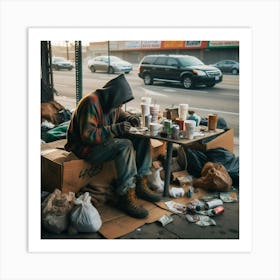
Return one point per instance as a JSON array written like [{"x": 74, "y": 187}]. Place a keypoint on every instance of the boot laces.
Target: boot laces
[{"x": 131, "y": 197}]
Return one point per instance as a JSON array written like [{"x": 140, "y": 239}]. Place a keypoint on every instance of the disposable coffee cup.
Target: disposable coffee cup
[
  {"x": 190, "y": 126},
  {"x": 212, "y": 121},
  {"x": 155, "y": 128},
  {"x": 183, "y": 111},
  {"x": 145, "y": 109}
]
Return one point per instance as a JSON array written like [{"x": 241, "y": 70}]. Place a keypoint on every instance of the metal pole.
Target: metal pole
[
  {"x": 79, "y": 69},
  {"x": 67, "y": 50},
  {"x": 168, "y": 162},
  {"x": 108, "y": 57}
]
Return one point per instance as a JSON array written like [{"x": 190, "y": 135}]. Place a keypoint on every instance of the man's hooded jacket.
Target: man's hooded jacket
[{"x": 94, "y": 119}]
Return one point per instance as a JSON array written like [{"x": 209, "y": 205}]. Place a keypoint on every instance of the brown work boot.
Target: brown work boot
[
  {"x": 128, "y": 203},
  {"x": 143, "y": 191}
]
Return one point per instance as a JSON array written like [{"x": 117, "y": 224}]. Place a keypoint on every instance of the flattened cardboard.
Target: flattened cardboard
[{"x": 116, "y": 223}]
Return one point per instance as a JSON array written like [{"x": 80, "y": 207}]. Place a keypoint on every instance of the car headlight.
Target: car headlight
[{"x": 199, "y": 73}]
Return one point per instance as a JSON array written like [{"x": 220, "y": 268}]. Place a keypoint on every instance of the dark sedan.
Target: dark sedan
[{"x": 228, "y": 66}]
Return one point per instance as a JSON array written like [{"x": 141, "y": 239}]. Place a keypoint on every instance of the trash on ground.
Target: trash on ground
[
  {"x": 190, "y": 192},
  {"x": 212, "y": 212},
  {"x": 195, "y": 205},
  {"x": 175, "y": 207},
  {"x": 176, "y": 192},
  {"x": 84, "y": 216},
  {"x": 228, "y": 196},
  {"x": 213, "y": 203},
  {"x": 200, "y": 220},
  {"x": 211, "y": 196},
  {"x": 165, "y": 219}
]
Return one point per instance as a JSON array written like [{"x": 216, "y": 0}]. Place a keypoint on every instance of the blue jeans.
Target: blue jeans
[{"x": 131, "y": 156}]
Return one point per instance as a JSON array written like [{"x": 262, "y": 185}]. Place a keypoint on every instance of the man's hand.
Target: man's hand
[
  {"x": 121, "y": 128},
  {"x": 134, "y": 120}
]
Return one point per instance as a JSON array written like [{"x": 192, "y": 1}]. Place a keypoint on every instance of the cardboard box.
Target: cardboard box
[
  {"x": 224, "y": 140},
  {"x": 63, "y": 170}
]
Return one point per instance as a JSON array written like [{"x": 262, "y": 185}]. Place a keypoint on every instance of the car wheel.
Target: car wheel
[
  {"x": 148, "y": 80},
  {"x": 56, "y": 67},
  {"x": 92, "y": 69},
  {"x": 187, "y": 82},
  {"x": 234, "y": 71},
  {"x": 111, "y": 70},
  {"x": 210, "y": 85}
]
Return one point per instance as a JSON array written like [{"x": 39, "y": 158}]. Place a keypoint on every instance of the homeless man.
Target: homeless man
[{"x": 97, "y": 132}]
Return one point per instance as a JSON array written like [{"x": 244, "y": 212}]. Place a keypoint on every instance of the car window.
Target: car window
[
  {"x": 161, "y": 61},
  {"x": 148, "y": 60},
  {"x": 190, "y": 61},
  {"x": 172, "y": 62}
]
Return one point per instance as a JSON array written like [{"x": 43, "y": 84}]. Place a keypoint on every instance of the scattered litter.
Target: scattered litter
[
  {"x": 190, "y": 192},
  {"x": 228, "y": 196},
  {"x": 213, "y": 203},
  {"x": 212, "y": 212},
  {"x": 211, "y": 196},
  {"x": 154, "y": 180},
  {"x": 176, "y": 192},
  {"x": 165, "y": 219},
  {"x": 175, "y": 207},
  {"x": 200, "y": 220},
  {"x": 195, "y": 205}
]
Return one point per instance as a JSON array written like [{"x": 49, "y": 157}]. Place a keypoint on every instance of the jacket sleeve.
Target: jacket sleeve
[
  {"x": 91, "y": 124},
  {"x": 123, "y": 116}
]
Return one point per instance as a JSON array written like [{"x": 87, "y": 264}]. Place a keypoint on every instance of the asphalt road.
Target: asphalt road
[{"x": 222, "y": 99}]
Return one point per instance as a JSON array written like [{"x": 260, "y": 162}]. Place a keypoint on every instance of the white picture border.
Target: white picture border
[
  {"x": 262, "y": 17},
  {"x": 243, "y": 35}
]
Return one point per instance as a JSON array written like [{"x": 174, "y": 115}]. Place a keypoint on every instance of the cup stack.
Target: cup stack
[
  {"x": 183, "y": 111},
  {"x": 154, "y": 110},
  {"x": 145, "y": 107}
]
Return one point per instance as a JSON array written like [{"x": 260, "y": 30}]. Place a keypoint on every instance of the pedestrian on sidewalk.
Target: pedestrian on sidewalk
[{"x": 98, "y": 132}]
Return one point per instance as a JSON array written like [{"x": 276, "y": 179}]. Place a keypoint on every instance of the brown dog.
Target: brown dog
[{"x": 214, "y": 177}]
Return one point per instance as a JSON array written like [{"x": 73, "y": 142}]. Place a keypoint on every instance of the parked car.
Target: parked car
[
  {"x": 101, "y": 63},
  {"x": 228, "y": 66},
  {"x": 59, "y": 63},
  {"x": 184, "y": 69}
]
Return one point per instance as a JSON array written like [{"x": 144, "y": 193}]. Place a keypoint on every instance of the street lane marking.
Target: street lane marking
[
  {"x": 150, "y": 92},
  {"x": 216, "y": 111}
]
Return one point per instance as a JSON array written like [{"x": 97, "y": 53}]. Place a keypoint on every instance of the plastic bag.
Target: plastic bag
[
  {"x": 55, "y": 211},
  {"x": 85, "y": 217},
  {"x": 154, "y": 180}
]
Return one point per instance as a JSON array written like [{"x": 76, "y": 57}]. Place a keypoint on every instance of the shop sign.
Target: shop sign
[
  {"x": 223, "y": 44},
  {"x": 172, "y": 44},
  {"x": 132, "y": 44},
  {"x": 151, "y": 44},
  {"x": 192, "y": 44}
]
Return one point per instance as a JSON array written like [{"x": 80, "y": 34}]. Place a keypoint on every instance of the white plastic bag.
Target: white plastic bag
[
  {"x": 85, "y": 217},
  {"x": 154, "y": 180},
  {"x": 55, "y": 211}
]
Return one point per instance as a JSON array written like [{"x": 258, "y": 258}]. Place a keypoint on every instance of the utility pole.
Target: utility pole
[
  {"x": 67, "y": 50},
  {"x": 108, "y": 57}
]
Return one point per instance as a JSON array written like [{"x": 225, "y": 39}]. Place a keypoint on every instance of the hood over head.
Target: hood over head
[{"x": 115, "y": 93}]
